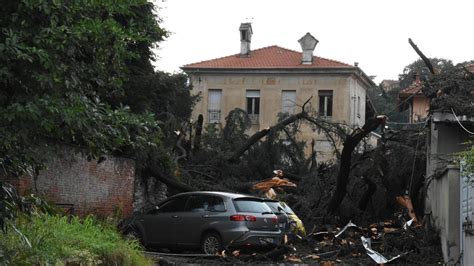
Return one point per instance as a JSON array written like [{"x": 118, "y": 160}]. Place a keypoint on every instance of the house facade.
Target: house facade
[
  {"x": 417, "y": 103},
  {"x": 273, "y": 80}
]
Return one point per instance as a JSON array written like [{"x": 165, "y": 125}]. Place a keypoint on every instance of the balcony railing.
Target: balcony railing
[
  {"x": 214, "y": 116},
  {"x": 254, "y": 119}
]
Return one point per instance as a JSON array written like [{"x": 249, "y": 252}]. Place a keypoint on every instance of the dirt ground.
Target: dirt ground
[{"x": 416, "y": 245}]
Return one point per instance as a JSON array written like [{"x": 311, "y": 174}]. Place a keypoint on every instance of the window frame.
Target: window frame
[
  {"x": 164, "y": 204},
  {"x": 326, "y": 102},
  {"x": 211, "y": 110},
  {"x": 253, "y": 106},
  {"x": 212, "y": 201},
  {"x": 290, "y": 109}
]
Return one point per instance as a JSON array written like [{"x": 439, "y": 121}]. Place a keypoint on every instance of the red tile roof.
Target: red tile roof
[
  {"x": 414, "y": 88},
  {"x": 271, "y": 57}
]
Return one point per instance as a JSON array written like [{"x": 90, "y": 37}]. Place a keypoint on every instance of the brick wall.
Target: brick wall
[{"x": 101, "y": 189}]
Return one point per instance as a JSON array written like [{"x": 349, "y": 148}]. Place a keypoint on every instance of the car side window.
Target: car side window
[
  {"x": 217, "y": 205},
  {"x": 174, "y": 205},
  {"x": 203, "y": 203},
  {"x": 198, "y": 203}
]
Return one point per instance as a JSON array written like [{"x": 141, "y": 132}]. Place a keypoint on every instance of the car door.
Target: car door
[
  {"x": 191, "y": 221},
  {"x": 160, "y": 225},
  {"x": 199, "y": 214}
]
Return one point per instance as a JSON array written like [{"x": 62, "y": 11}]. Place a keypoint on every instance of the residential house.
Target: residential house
[
  {"x": 389, "y": 84},
  {"x": 273, "y": 80},
  {"x": 416, "y": 102}
]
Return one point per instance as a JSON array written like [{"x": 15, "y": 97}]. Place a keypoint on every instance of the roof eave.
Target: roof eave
[
  {"x": 335, "y": 70},
  {"x": 320, "y": 70}
]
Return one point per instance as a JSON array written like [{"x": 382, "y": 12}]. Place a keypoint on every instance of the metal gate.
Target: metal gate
[{"x": 466, "y": 208}]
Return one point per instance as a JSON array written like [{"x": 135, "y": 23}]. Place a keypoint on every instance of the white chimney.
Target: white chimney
[
  {"x": 308, "y": 43},
  {"x": 245, "y": 38}
]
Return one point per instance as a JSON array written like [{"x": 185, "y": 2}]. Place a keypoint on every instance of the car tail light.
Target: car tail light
[
  {"x": 248, "y": 218},
  {"x": 275, "y": 219}
]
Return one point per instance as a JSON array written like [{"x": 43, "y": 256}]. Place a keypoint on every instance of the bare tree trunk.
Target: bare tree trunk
[
  {"x": 198, "y": 133},
  {"x": 423, "y": 57},
  {"x": 172, "y": 182},
  {"x": 313, "y": 163},
  {"x": 179, "y": 144},
  {"x": 154, "y": 172},
  {"x": 345, "y": 166},
  {"x": 364, "y": 200}
]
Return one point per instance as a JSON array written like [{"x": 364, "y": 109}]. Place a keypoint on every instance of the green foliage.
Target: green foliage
[
  {"x": 12, "y": 205},
  {"x": 159, "y": 93},
  {"x": 467, "y": 159},
  {"x": 61, "y": 241},
  {"x": 419, "y": 67},
  {"x": 9, "y": 202},
  {"x": 386, "y": 103},
  {"x": 237, "y": 122},
  {"x": 452, "y": 90},
  {"x": 63, "y": 69}
]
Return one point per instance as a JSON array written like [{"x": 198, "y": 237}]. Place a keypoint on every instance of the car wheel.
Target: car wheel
[
  {"x": 132, "y": 234},
  {"x": 211, "y": 244}
]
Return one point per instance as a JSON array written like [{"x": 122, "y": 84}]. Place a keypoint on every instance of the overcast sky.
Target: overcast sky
[{"x": 372, "y": 32}]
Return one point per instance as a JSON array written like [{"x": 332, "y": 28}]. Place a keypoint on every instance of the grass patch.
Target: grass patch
[{"x": 52, "y": 239}]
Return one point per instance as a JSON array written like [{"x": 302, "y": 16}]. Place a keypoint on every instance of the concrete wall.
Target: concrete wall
[
  {"x": 346, "y": 92},
  {"x": 468, "y": 254},
  {"x": 103, "y": 189},
  {"x": 443, "y": 196},
  {"x": 445, "y": 139},
  {"x": 357, "y": 103}
]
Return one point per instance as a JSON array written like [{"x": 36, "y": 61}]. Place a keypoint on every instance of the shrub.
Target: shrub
[{"x": 52, "y": 239}]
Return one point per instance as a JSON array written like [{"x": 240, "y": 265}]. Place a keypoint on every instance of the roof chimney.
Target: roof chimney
[
  {"x": 308, "y": 43},
  {"x": 245, "y": 38}
]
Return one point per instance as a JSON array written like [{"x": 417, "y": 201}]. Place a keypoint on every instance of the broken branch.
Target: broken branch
[
  {"x": 423, "y": 57},
  {"x": 264, "y": 132}
]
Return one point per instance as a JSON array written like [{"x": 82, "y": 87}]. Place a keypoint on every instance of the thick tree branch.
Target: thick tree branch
[
  {"x": 172, "y": 182},
  {"x": 345, "y": 166},
  {"x": 198, "y": 134},
  {"x": 423, "y": 57},
  {"x": 180, "y": 147},
  {"x": 264, "y": 132},
  {"x": 152, "y": 171}
]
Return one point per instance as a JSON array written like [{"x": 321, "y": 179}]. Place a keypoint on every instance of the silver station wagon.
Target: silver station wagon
[{"x": 212, "y": 221}]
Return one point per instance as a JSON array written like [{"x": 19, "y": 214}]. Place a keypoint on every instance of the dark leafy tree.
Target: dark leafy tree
[
  {"x": 419, "y": 67},
  {"x": 68, "y": 75}
]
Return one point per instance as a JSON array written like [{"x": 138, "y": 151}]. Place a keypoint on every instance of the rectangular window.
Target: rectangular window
[
  {"x": 253, "y": 105},
  {"x": 214, "y": 106},
  {"x": 288, "y": 102},
  {"x": 325, "y": 103},
  {"x": 358, "y": 106}
]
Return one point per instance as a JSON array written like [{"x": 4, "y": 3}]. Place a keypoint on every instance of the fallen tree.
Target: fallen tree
[
  {"x": 328, "y": 127},
  {"x": 349, "y": 145}
]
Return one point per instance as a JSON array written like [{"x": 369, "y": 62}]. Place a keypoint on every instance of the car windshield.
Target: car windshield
[{"x": 251, "y": 205}]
